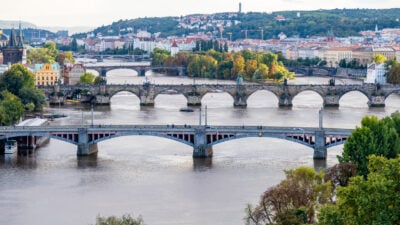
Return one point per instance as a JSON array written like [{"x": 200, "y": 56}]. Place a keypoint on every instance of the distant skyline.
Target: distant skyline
[{"x": 95, "y": 13}]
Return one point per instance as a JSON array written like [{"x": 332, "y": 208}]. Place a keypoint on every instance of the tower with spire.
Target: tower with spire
[{"x": 13, "y": 52}]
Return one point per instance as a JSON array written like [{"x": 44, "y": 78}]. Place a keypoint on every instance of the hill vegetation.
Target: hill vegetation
[{"x": 341, "y": 22}]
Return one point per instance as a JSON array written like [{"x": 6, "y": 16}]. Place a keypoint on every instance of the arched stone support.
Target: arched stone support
[
  {"x": 376, "y": 101},
  {"x": 285, "y": 100},
  {"x": 147, "y": 95},
  {"x": 240, "y": 96},
  {"x": 193, "y": 100},
  {"x": 331, "y": 101},
  {"x": 240, "y": 99},
  {"x": 102, "y": 100}
]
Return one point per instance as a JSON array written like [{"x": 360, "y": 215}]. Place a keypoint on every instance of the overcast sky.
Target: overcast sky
[{"x": 103, "y": 12}]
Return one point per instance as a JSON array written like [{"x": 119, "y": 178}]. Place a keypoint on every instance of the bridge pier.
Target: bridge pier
[
  {"x": 102, "y": 100},
  {"x": 84, "y": 147},
  {"x": 200, "y": 147},
  {"x": 285, "y": 100},
  {"x": 193, "y": 100},
  {"x": 376, "y": 101},
  {"x": 240, "y": 101},
  {"x": 142, "y": 72},
  {"x": 146, "y": 95},
  {"x": 240, "y": 97},
  {"x": 320, "y": 151},
  {"x": 331, "y": 101}
]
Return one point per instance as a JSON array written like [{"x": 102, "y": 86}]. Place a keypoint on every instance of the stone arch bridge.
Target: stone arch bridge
[
  {"x": 140, "y": 69},
  {"x": 147, "y": 92}
]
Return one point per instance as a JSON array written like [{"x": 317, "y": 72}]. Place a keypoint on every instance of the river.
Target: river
[{"x": 158, "y": 178}]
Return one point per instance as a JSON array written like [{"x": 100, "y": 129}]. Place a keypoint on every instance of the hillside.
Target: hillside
[{"x": 342, "y": 22}]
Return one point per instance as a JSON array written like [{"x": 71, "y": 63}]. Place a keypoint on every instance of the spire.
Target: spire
[
  {"x": 20, "y": 36},
  {"x": 12, "y": 42}
]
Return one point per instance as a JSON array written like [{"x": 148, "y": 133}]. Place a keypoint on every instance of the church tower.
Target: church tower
[{"x": 14, "y": 50}]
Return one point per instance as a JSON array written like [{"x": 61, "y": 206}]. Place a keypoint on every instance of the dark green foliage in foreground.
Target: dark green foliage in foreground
[
  {"x": 124, "y": 220},
  {"x": 374, "y": 137}
]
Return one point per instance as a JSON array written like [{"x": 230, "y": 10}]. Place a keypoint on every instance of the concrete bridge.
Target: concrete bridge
[
  {"x": 200, "y": 137},
  {"x": 147, "y": 92},
  {"x": 140, "y": 69}
]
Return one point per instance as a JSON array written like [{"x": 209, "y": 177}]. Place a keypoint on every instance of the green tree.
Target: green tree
[
  {"x": 65, "y": 57},
  {"x": 11, "y": 108},
  {"x": 379, "y": 58},
  {"x": 32, "y": 97},
  {"x": 86, "y": 78},
  {"x": 74, "y": 45},
  {"x": 17, "y": 77},
  {"x": 20, "y": 81},
  {"x": 124, "y": 220},
  {"x": 294, "y": 200},
  {"x": 238, "y": 65},
  {"x": 375, "y": 200},
  {"x": 375, "y": 136},
  {"x": 250, "y": 68},
  {"x": 393, "y": 74}
]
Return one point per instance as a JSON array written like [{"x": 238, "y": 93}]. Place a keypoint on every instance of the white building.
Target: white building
[
  {"x": 174, "y": 49},
  {"x": 376, "y": 73}
]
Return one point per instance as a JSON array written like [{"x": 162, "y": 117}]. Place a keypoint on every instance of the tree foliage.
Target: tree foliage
[
  {"x": 379, "y": 58},
  {"x": 226, "y": 65},
  {"x": 379, "y": 137},
  {"x": 11, "y": 108},
  {"x": 124, "y": 220},
  {"x": 87, "y": 78},
  {"x": 294, "y": 200},
  {"x": 342, "y": 22},
  {"x": 393, "y": 74},
  {"x": 375, "y": 200},
  {"x": 20, "y": 82}
]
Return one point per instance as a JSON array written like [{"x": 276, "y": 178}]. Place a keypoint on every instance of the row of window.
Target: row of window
[{"x": 47, "y": 78}]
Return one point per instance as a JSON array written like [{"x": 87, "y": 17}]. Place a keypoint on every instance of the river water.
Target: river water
[{"x": 158, "y": 178}]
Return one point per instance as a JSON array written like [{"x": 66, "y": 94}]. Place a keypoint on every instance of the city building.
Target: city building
[
  {"x": 14, "y": 51},
  {"x": 46, "y": 75},
  {"x": 72, "y": 74},
  {"x": 174, "y": 49},
  {"x": 376, "y": 73}
]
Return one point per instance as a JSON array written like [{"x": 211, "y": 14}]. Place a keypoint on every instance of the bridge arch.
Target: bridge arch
[
  {"x": 114, "y": 92},
  {"x": 393, "y": 97},
  {"x": 354, "y": 98},
  {"x": 215, "y": 98},
  {"x": 313, "y": 95},
  {"x": 120, "y": 68},
  {"x": 154, "y": 134},
  {"x": 38, "y": 135},
  {"x": 264, "y": 136},
  {"x": 270, "y": 98}
]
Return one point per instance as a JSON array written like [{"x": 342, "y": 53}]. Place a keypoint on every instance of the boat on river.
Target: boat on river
[
  {"x": 186, "y": 109},
  {"x": 10, "y": 147}
]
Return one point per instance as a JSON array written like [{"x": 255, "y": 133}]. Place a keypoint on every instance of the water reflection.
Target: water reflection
[
  {"x": 84, "y": 162},
  {"x": 320, "y": 164},
  {"x": 202, "y": 164},
  {"x": 22, "y": 161}
]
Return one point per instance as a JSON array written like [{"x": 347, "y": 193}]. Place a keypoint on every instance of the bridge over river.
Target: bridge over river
[
  {"x": 147, "y": 92},
  {"x": 200, "y": 137}
]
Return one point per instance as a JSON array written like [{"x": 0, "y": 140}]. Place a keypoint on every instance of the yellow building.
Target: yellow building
[{"x": 46, "y": 75}]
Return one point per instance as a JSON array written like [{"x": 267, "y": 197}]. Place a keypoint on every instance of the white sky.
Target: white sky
[{"x": 103, "y": 12}]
